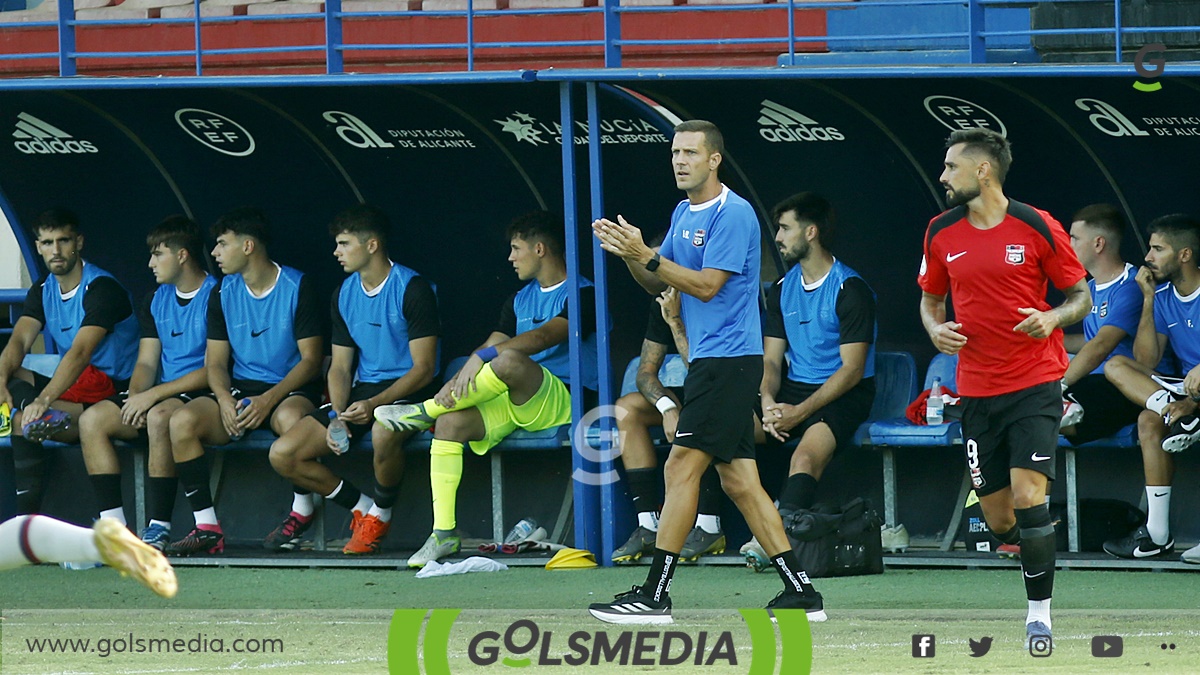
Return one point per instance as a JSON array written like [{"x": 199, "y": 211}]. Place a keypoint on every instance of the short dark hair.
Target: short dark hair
[
  {"x": 56, "y": 219},
  {"x": 990, "y": 143},
  {"x": 712, "y": 135},
  {"x": 540, "y": 226},
  {"x": 1180, "y": 229},
  {"x": 812, "y": 207},
  {"x": 178, "y": 232},
  {"x": 1104, "y": 217},
  {"x": 247, "y": 221},
  {"x": 363, "y": 221}
]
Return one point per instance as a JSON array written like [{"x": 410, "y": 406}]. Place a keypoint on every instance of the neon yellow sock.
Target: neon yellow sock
[
  {"x": 445, "y": 472},
  {"x": 488, "y": 384}
]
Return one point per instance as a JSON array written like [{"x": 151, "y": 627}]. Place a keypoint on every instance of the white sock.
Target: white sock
[
  {"x": 302, "y": 505},
  {"x": 166, "y": 524},
  {"x": 50, "y": 540},
  {"x": 1039, "y": 610},
  {"x": 709, "y": 523},
  {"x": 364, "y": 504},
  {"x": 383, "y": 514},
  {"x": 206, "y": 517},
  {"x": 648, "y": 520},
  {"x": 1158, "y": 512},
  {"x": 117, "y": 514},
  {"x": 1159, "y": 401}
]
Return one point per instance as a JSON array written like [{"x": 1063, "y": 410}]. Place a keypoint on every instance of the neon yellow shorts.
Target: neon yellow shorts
[{"x": 549, "y": 407}]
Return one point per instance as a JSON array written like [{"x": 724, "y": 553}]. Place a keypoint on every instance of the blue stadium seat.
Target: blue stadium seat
[{"x": 895, "y": 387}]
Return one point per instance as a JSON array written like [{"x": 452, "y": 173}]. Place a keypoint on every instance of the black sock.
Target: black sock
[
  {"x": 1037, "y": 551},
  {"x": 658, "y": 581},
  {"x": 108, "y": 490},
  {"x": 160, "y": 497},
  {"x": 385, "y": 496},
  {"x": 1013, "y": 536},
  {"x": 347, "y": 497},
  {"x": 32, "y": 463},
  {"x": 709, "y": 503},
  {"x": 799, "y": 492},
  {"x": 795, "y": 579},
  {"x": 646, "y": 489},
  {"x": 193, "y": 475},
  {"x": 22, "y": 394}
]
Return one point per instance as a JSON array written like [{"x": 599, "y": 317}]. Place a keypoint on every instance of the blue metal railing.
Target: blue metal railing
[{"x": 334, "y": 47}]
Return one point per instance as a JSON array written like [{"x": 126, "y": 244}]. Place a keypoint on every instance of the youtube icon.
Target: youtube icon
[{"x": 1107, "y": 646}]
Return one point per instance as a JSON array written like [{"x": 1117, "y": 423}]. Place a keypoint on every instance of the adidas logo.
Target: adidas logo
[
  {"x": 38, "y": 137},
  {"x": 780, "y": 124}
]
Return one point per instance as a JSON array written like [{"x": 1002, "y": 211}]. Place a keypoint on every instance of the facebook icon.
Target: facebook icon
[{"x": 924, "y": 646}]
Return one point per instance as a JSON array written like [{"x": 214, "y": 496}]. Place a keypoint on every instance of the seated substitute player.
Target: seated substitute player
[
  {"x": 1166, "y": 426},
  {"x": 30, "y": 540},
  {"x": 652, "y": 405},
  {"x": 1094, "y": 408},
  {"x": 821, "y": 317},
  {"x": 266, "y": 319},
  {"x": 170, "y": 353},
  {"x": 518, "y": 378},
  {"x": 385, "y": 319},
  {"x": 87, "y": 317}
]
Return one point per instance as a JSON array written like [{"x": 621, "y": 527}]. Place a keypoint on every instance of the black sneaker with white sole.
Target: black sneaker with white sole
[
  {"x": 1138, "y": 544},
  {"x": 812, "y": 604},
  {"x": 633, "y": 607},
  {"x": 1183, "y": 433}
]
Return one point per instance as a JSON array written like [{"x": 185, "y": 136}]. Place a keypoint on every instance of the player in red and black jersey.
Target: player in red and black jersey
[{"x": 997, "y": 257}]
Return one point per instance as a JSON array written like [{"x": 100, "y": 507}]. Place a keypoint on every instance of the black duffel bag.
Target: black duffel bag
[{"x": 832, "y": 542}]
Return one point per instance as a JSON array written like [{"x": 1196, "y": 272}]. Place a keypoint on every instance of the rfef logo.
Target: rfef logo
[
  {"x": 38, "y": 137},
  {"x": 959, "y": 113},
  {"x": 524, "y": 643},
  {"x": 215, "y": 131}
]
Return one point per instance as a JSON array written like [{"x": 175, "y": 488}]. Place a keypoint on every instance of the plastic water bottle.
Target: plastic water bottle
[
  {"x": 339, "y": 433},
  {"x": 935, "y": 406},
  {"x": 241, "y": 405},
  {"x": 521, "y": 531}
]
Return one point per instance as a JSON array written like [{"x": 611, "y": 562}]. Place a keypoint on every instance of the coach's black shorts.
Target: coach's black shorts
[
  {"x": 1018, "y": 429},
  {"x": 313, "y": 391},
  {"x": 843, "y": 415},
  {"x": 1105, "y": 409},
  {"x": 718, "y": 406},
  {"x": 365, "y": 390}
]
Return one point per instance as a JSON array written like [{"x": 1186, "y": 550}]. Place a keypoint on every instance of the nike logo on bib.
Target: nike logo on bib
[
  {"x": 256, "y": 333},
  {"x": 176, "y": 333}
]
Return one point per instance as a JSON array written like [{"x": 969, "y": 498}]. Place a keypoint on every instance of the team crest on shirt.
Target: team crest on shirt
[
  {"x": 1103, "y": 309},
  {"x": 698, "y": 238},
  {"x": 1014, "y": 254}
]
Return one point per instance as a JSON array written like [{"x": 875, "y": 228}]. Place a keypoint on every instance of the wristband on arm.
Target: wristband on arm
[
  {"x": 487, "y": 353},
  {"x": 665, "y": 404}
]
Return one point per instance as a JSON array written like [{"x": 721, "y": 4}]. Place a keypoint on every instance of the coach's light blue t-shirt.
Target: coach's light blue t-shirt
[{"x": 722, "y": 234}]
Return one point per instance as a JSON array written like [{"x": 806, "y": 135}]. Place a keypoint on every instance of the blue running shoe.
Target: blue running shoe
[{"x": 156, "y": 536}]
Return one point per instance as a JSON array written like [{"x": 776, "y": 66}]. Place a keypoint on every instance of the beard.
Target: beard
[
  {"x": 959, "y": 197},
  {"x": 796, "y": 254}
]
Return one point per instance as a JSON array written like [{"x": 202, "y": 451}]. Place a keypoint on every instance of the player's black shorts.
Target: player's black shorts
[
  {"x": 1018, "y": 429},
  {"x": 718, "y": 406},
  {"x": 186, "y": 396},
  {"x": 364, "y": 390},
  {"x": 843, "y": 415},
  {"x": 313, "y": 391},
  {"x": 1105, "y": 409}
]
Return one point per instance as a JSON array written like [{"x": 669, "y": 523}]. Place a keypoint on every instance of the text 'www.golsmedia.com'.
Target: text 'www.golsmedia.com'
[{"x": 131, "y": 644}]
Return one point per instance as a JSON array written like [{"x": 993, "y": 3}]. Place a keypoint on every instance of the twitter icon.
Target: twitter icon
[{"x": 981, "y": 647}]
